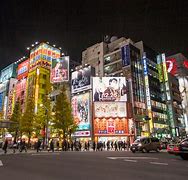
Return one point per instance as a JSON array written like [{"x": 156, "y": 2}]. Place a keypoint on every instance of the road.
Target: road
[{"x": 92, "y": 166}]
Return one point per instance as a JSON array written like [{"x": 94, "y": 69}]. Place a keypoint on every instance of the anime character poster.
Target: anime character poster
[{"x": 80, "y": 108}]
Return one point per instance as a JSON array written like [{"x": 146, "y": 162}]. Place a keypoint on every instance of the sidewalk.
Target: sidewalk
[{"x": 10, "y": 151}]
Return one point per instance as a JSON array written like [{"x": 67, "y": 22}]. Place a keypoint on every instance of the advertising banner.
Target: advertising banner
[
  {"x": 172, "y": 66},
  {"x": 42, "y": 55},
  {"x": 109, "y": 89},
  {"x": 1, "y": 100},
  {"x": 81, "y": 111},
  {"x": 110, "y": 109},
  {"x": 81, "y": 79},
  {"x": 11, "y": 97},
  {"x": 125, "y": 55},
  {"x": 6, "y": 73},
  {"x": 60, "y": 70},
  {"x": 20, "y": 88},
  {"x": 23, "y": 69},
  {"x": 110, "y": 126}
]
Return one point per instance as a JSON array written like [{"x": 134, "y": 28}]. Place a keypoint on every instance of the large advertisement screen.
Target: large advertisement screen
[
  {"x": 109, "y": 89},
  {"x": 81, "y": 111},
  {"x": 110, "y": 109},
  {"x": 110, "y": 126},
  {"x": 23, "y": 69},
  {"x": 60, "y": 70},
  {"x": 81, "y": 79}
]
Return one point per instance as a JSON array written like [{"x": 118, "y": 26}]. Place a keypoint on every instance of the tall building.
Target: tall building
[
  {"x": 40, "y": 61},
  {"x": 22, "y": 74},
  {"x": 146, "y": 80},
  {"x": 176, "y": 66}
]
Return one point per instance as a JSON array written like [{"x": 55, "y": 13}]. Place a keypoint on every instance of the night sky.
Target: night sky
[{"x": 75, "y": 25}]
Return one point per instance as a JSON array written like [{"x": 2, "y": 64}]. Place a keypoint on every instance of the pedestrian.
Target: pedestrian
[
  {"x": 85, "y": 146},
  {"x": 108, "y": 145},
  {"x": 128, "y": 144},
  {"x": 52, "y": 145},
  {"x": 104, "y": 145},
  {"x": 72, "y": 145},
  {"x": 116, "y": 146},
  {"x": 88, "y": 145},
  {"x": 57, "y": 145},
  {"x": 80, "y": 146},
  {"x": 112, "y": 145},
  {"x": 14, "y": 146},
  {"x": 24, "y": 145},
  {"x": 94, "y": 145},
  {"x": 38, "y": 146},
  {"x": 5, "y": 146}
]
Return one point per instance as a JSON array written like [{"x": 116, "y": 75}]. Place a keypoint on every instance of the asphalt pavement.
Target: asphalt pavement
[{"x": 92, "y": 165}]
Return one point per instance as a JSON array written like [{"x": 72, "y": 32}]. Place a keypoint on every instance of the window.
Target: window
[
  {"x": 44, "y": 76},
  {"x": 43, "y": 86}
]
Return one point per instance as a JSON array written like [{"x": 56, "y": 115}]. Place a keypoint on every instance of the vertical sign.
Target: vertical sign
[
  {"x": 148, "y": 98},
  {"x": 125, "y": 55}
]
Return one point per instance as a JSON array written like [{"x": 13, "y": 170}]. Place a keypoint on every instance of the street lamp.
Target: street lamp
[{"x": 46, "y": 129}]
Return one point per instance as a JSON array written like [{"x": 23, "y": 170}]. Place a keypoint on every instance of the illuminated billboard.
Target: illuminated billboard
[
  {"x": 125, "y": 55},
  {"x": 81, "y": 79},
  {"x": 21, "y": 88},
  {"x": 110, "y": 109},
  {"x": 8, "y": 72},
  {"x": 185, "y": 63},
  {"x": 109, "y": 89},
  {"x": 81, "y": 111},
  {"x": 110, "y": 126},
  {"x": 42, "y": 55},
  {"x": 60, "y": 70},
  {"x": 1, "y": 100},
  {"x": 172, "y": 66},
  {"x": 23, "y": 69},
  {"x": 11, "y": 97}
]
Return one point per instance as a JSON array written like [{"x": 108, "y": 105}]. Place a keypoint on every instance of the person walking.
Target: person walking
[
  {"x": 57, "y": 145},
  {"x": 116, "y": 146},
  {"x": 128, "y": 144},
  {"x": 14, "y": 146},
  {"x": 108, "y": 145},
  {"x": 52, "y": 145},
  {"x": 94, "y": 145},
  {"x": 38, "y": 145},
  {"x": 5, "y": 146}
]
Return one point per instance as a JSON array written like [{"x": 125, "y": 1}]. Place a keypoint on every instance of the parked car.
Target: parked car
[
  {"x": 170, "y": 148},
  {"x": 181, "y": 149},
  {"x": 146, "y": 144}
]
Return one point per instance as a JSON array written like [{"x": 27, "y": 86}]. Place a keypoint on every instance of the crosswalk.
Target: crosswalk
[{"x": 150, "y": 160}]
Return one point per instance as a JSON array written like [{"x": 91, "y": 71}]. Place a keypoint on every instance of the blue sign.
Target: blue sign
[
  {"x": 1, "y": 101},
  {"x": 144, "y": 59},
  {"x": 125, "y": 55}
]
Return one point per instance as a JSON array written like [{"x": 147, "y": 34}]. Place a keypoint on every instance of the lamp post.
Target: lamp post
[{"x": 47, "y": 120}]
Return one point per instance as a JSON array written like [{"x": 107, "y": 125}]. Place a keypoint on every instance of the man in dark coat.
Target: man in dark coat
[{"x": 5, "y": 146}]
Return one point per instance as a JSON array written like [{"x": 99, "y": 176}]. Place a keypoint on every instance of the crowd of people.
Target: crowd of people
[{"x": 65, "y": 145}]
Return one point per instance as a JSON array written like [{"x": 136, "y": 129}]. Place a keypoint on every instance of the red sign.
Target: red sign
[
  {"x": 185, "y": 63},
  {"x": 110, "y": 126},
  {"x": 171, "y": 65},
  {"x": 23, "y": 69}
]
